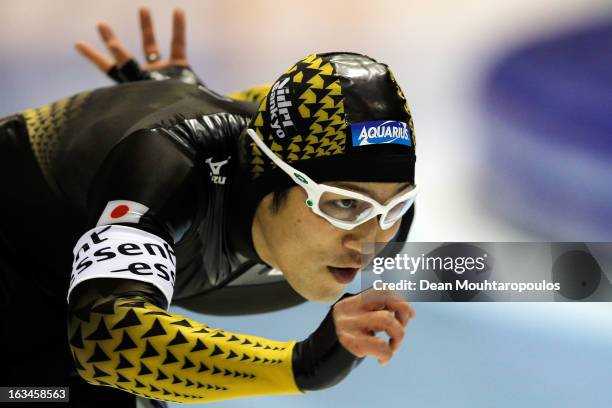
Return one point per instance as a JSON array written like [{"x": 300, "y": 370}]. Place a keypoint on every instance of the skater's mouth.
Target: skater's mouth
[{"x": 343, "y": 275}]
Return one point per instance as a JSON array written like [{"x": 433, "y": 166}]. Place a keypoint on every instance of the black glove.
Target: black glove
[
  {"x": 321, "y": 361},
  {"x": 131, "y": 72}
]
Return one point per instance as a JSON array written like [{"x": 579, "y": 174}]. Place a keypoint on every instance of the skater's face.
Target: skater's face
[{"x": 317, "y": 258}]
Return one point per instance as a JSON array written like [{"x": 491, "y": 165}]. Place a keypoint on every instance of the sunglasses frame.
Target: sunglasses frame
[{"x": 314, "y": 191}]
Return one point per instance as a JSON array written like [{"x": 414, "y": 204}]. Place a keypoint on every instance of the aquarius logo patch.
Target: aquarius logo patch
[{"x": 381, "y": 132}]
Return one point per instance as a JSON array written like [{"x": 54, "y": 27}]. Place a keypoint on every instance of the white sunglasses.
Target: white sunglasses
[{"x": 344, "y": 209}]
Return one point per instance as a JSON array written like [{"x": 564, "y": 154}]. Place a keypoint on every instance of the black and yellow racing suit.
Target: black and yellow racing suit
[{"x": 177, "y": 150}]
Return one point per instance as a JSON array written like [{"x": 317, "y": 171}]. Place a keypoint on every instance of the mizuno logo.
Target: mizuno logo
[{"x": 215, "y": 170}]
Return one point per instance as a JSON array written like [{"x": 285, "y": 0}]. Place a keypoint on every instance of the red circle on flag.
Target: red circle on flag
[{"x": 120, "y": 211}]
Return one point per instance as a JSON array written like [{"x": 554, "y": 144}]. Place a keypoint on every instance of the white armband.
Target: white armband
[{"x": 117, "y": 251}]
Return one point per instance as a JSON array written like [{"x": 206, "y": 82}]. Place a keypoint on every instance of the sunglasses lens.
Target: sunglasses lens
[
  {"x": 344, "y": 208},
  {"x": 397, "y": 211}
]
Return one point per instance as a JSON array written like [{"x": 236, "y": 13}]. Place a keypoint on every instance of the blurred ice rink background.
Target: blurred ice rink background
[{"x": 442, "y": 53}]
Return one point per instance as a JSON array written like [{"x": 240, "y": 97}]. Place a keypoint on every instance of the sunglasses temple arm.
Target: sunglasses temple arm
[{"x": 284, "y": 166}]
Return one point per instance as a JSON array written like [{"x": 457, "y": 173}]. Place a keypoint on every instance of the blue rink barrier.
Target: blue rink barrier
[{"x": 548, "y": 134}]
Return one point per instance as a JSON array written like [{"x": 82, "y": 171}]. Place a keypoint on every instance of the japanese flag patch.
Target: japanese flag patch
[{"x": 122, "y": 211}]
